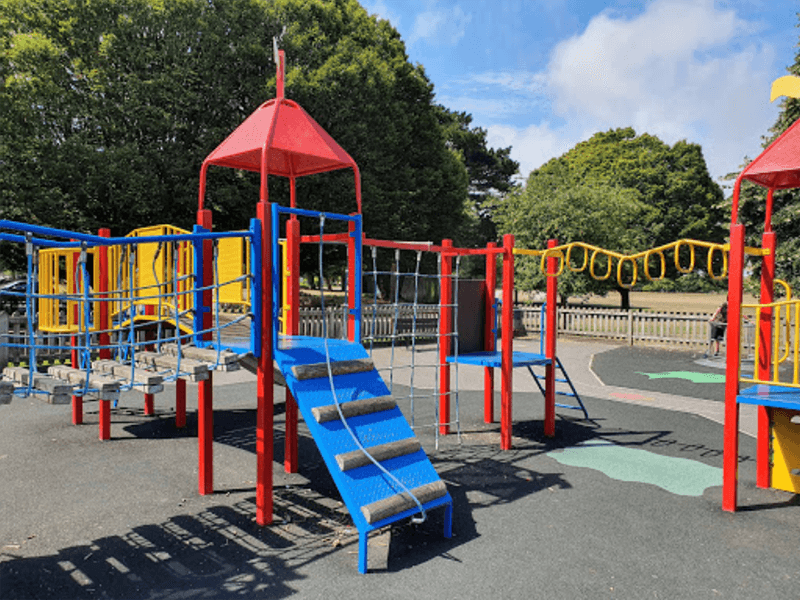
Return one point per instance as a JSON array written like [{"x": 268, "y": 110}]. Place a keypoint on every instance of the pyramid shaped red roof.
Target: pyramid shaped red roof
[
  {"x": 778, "y": 166},
  {"x": 295, "y": 143}
]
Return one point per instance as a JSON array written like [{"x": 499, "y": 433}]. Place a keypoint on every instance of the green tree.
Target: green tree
[
  {"x": 620, "y": 191},
  {"x": 490, "y": 170},
  {"x": 109, "y": 107}
]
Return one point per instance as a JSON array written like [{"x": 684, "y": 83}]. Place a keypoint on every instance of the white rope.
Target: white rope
[{"x": 415, "y": 519}]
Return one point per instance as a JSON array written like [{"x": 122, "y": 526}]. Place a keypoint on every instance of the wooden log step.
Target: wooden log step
[
  {"x": 354, "y": 408},
  {"x": 383, "y": 509},
  {"x": 150, "y": 383},
  {"x": 341, "y": 367},
  {"x": 193, "y": 369},
  {"x": 6, "y": 392},
  {"x": 250, "y": 362},
  {"x": 228, "y": 361},
  {"x": 382, "y": 452},
  {"x": 57, "y": 391},
  {"x": 107, "y": 387}
]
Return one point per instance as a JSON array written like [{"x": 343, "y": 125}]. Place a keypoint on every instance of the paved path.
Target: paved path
[{"x": 552, "y": 518}]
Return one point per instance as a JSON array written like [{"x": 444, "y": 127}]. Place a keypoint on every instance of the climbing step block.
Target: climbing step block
[
  {"x": 342, "y": 367},
  {"x": 107, "y": 388},
  {"x": 382, "y": 452},
  {"x": 56, "y": 391},
  {"x": 393, "y": 505},
  {"x": 192, "y": 369},
  {"x": 354, "y": 408},
  {"x": 228, "y": 361},
  {"x": 6, "y": 392},
  {"x": 249, "y": 362},
  {"x": 148, "y": 383}
]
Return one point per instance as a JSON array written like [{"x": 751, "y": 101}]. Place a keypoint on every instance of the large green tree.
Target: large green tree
[
  {"x": 108, "y": 108},
  {"x": 490, "y": 170},
  {"x": 619, "y": 191},
  {"x": 786, "y": 204}
]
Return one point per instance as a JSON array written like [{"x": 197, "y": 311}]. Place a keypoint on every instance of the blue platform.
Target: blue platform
[
  {"x": 494, "y": 359},
  {"x": 776, "y": 396},
  {"x": 363, "y": 485}
]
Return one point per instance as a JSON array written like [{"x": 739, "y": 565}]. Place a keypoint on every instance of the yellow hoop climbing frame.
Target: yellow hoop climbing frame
[{"x": 591, "y": 254}]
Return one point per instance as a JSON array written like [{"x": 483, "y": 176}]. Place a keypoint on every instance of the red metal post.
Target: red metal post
[
  {"x": 488, "y": 334},
  {"x": 550, "y": 344},
  {"x": 104, "y": 338},
  {"x": 445, "y": 329},
  {"x": 105, "y": 420},
  {"x": 730, "y": 458},
  {"x": 205, "y": 403},
  {"x": 292, "y": 281},
  {"x": 77, "y": 401},
  {"x": 352, "y": 270},
  {"x": 149, "y": 404},
  {"x": 265, "y": 390},
  {"x": 102, "y": 287},
  {"x": 180, "y": 403},
  {"x": 768, "y": 242},
  {"x": 507, "y": 344}
]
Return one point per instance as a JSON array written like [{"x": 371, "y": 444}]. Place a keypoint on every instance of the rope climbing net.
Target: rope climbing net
[
  {"x": 411, "y": 317},
  {"x": 91, "y": 297}
]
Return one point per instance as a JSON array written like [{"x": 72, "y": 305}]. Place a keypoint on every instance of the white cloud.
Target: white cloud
[
  {"x": 440, "y": 26},
  {"x": 380, "y": 8},
  {"x": 668, "y": 72},
  {"x": 534, "y": 145}
]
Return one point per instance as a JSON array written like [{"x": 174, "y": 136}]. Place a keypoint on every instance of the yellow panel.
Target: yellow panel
[
  {"x": 785, "y": 450},
  {"x": 149, "y": 274},
  {"x": 56, "y": 282},
  {"x": 232, "y": 263}
]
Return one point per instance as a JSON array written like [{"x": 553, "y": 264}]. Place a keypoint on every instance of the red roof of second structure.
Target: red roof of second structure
[
  {"x": 298, "y": 146},
  {"x": 778, "y": 166}
]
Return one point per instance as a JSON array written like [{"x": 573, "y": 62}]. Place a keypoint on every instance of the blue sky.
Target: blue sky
[{"x": 543, "y": 75}]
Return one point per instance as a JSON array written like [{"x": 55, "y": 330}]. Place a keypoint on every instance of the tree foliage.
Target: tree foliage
[
  {"x": 619, "y": 191},
  {"x": 109, "y": 107},
  {"x": 490, "y": 170}
]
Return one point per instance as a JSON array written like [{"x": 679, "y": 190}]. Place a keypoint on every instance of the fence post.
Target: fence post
[{"x": 630, "y": 327}]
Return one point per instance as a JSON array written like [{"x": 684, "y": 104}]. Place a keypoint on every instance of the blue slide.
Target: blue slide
[{"x": 331, "y": 379}]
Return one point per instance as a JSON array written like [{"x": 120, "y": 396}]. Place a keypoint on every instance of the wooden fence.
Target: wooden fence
[{"x": 381, "y": 322}]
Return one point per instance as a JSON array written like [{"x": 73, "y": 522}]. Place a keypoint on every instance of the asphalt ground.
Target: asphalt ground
[
  {"x": 122, "y": 519},
  {"x": 639, "y": 368}
]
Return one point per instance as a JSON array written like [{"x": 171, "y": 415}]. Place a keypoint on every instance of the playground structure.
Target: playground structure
[
  {"x": 145, "y": 310},
  {"x": 776, "y": 395}
]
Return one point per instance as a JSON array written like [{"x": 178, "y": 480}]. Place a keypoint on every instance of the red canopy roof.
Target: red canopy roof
[
  {"x": 778, "y": 166},
  {"x": 295, "y": 143},
  {"x": 280, "y": 138}
]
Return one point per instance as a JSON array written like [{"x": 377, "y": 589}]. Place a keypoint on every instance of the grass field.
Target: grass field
[{"x": 667, "y": 302}]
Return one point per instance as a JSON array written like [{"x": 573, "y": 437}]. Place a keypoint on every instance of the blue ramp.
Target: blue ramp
[{"x": 373, "y": 497}]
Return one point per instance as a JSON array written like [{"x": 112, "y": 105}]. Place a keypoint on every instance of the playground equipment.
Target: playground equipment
[
  {"x": 777, "y": 399},
  {"x": 145, "y": 309}
]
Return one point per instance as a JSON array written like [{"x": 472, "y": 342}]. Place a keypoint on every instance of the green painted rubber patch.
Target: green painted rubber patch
[
  {"x": 692, "y": 376},
  {"x": 680, "y": 476}
]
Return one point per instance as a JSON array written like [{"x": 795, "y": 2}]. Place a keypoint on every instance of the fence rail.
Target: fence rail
[{"x": 381, "y": 322}]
